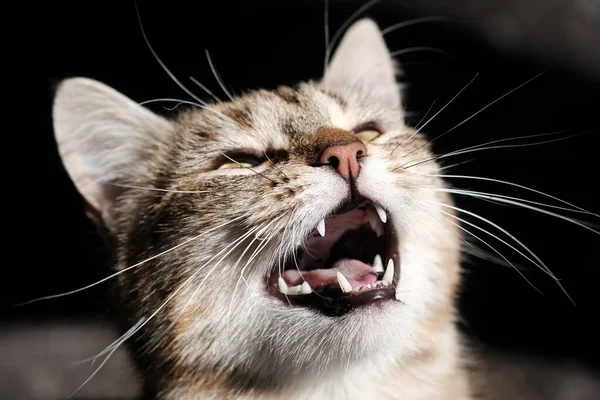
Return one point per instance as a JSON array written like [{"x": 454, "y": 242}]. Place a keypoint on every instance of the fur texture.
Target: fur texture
[{"x": 196, "y": 244}]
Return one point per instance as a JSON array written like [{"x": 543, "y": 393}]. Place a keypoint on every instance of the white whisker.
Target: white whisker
[
  {"x": 515, "y": 185},
  {"x": 519, "y": 202},
  {"x": 54, "y": 296},
  {"x": 155, "y": 189},
  {"x": 217, "y": 76},
  {"x": 337, "y": 35},
  {"x": 436, "y": 114},
  {"x": 211, "y": 94},
  {"x": 115, "y": 346},
  {"x": 166, "y": 99},
  {"x": 540, "y": 264},
  {"x": 482, "y": 147},
  {"x": 490, "y": 246},
  {"x": 415, "y": 21},
  {"x": 417, "y": 49}
]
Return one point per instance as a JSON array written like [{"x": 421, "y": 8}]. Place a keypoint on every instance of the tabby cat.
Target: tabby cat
[{"x": 276, "y": 246}]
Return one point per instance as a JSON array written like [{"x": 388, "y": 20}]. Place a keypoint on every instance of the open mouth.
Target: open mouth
[{"x": 350, "y": 260}]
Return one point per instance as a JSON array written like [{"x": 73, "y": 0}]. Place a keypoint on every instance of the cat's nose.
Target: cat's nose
[{"x": 344, "y": 158}]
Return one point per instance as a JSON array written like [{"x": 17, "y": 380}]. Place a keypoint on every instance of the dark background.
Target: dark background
[{"x": 53, "y": 248}]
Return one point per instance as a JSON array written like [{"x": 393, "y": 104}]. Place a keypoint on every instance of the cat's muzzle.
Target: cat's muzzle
[{"x": 350, "y": 260}]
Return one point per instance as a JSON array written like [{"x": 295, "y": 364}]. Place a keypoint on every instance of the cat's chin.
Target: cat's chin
[{"x": 350, "y": 260}]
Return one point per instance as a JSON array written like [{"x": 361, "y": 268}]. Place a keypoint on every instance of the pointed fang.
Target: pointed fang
[
  {"x": 381, "y": 213},
  {"x": 389, "y": 272},
  {"x": 321, "y": 227},
  {"x": 344, "y": 284}
]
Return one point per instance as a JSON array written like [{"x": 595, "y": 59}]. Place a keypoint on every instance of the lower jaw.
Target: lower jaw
[{"x": 330, "y": 302}]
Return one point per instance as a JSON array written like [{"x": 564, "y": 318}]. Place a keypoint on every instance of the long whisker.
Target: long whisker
[
  {"x": 539, "y": 262},
  {"x": 415, "y": 21},
  {"x": 241, "y": 274},
  {"x": 166, "y": 99},
  {"x": 511, "y": 201},
  {"x": 472, "y": 149},
  {"x": 162, "y": 64},
  {"x": 114, "y": 346},
  {"x": 487, "y": 256},
  {"x": 235, "y": 243},
  {"x": 514, "y": 185},
  {"x": 156, "y": 189},
  {"x": 206, "y": 90},
  {"x": 490, "y": 246},
  {"x": 275, "y": 166},
  {"x": 211, "y": 94},
  {"x": 217, "y": 76},
  {"x": 439, "y": 111},
  {"x": 455, "y": 164},
  {"x": 455, "y": 152},
  {"x": 417, "y": 125},
  {"x": 337, "y": 35},
  {"x": 54, "y": 296},
  {"x": 416, "y": 49},
  {"x": 482, "y": 109},
  {"x": 243, "y": 166}
]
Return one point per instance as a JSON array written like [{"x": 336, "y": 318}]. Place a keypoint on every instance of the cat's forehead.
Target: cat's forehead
[{"x": 275, "y": 118}]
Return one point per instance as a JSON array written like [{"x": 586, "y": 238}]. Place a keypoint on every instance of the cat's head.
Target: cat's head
[{"x": 234, "y": 223}]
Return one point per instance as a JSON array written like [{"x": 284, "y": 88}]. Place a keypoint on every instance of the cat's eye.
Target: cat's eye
[
  {"x": 368, "y": 135},
  {"x": 367, "y": 132},
  {"x": 239, "y": 160},
  {"x": 235, "y": 165}
]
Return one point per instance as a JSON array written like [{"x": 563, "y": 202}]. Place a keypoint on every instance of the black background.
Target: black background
[{"x": 53, "y": 248}]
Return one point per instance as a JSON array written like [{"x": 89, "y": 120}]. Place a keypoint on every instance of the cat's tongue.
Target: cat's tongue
[{"x": 355, "y": 271}]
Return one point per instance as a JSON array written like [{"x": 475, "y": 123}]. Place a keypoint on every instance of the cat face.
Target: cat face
[{"x": 274, "y": 237}]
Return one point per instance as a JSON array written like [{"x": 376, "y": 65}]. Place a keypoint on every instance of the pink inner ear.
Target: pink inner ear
[{"x": 97, "y": 195}]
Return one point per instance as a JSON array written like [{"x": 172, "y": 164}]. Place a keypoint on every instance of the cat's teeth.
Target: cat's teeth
[
  {"x": 378, "y": 264},
  {"x": 381, "y": 213},
  {"x": 305, "y": 288},
  {"x": 295, "y": 290},
  {"x": 389, "y": 272},
  {"x": 283, "y": 287},
  {"x": 344, "y": 284},
  {"x": 375, "y": 223},
  {"x": 321, "y": 227}
]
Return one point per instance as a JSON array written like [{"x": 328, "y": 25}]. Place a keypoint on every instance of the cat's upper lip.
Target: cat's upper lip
[{"x": 351, "y": 258}]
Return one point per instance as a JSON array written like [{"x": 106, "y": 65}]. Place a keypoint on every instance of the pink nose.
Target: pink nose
[{"x": 344, "y": 158}]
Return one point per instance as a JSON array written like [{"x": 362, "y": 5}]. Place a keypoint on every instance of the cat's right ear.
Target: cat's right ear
[{"x": 103, "y": 139}]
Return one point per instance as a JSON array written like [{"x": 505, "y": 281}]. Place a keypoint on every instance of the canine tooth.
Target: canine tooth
[
  {"x": 375, "y": 223},
  {"x": 283, "y": 287},
  {"x": 381, "y": 213},
  {"x": 295, "y": 290},
  {"x": 321, "y": 227},
  {"x": 305, "y": 288},
  {"x": 389, "y": 272},
  {"x": 344, "y": 284},
  {"x": 378, "y": 264}
]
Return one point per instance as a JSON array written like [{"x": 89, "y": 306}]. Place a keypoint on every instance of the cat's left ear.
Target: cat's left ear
[{"x": 362, "y": 62}]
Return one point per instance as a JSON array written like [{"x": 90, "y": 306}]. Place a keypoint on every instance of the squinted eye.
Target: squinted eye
[
  {"x": 367, "y": 132},
  {"x": 239, "y": 160},
  {"x": 368, "y": 135},
  {"x": 235, "y": 165}
]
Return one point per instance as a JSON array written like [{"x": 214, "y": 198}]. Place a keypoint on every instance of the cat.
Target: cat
[{"x": 296, "y": 243}]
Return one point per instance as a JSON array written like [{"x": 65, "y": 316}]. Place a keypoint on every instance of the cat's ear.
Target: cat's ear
[
  {"x": 103, "y": 138},
  {"x": 362, "y": 61}
]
